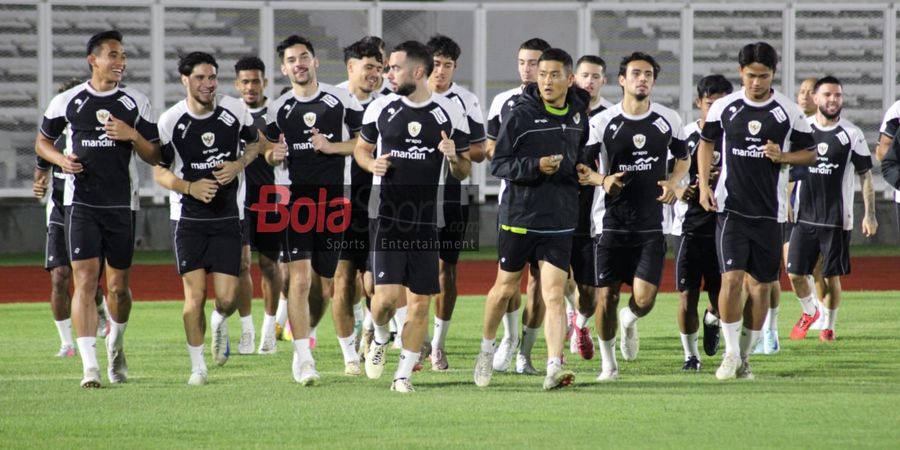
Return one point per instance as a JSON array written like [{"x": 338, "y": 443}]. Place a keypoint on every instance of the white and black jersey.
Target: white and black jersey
[
  {"x": 602, "y": 105},
  {"x": 500, "y": 106},
  {"x": 194, "y": 146},
  {"x": 890, "y": 125},
  {"x": 469, "y": 103},
  {"x": 690, "y": 217},
  {"x": 334, "y": 113},
  {"x": 638, "y": 146},
  {"x": 57, "y": 186},
  {"x": 586, "y": 193},
  {"x": 259, "y": 172},
  {"x": 358, "y": 177},
  {"x": 750, "y": 184},
  {"x": 410, "y": 133},
  {"x": 825, "y": 195},
  {"x": 109, "y": 178}
]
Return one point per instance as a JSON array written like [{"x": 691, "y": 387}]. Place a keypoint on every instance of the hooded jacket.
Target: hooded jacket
[{"x": 529, "y": 198}]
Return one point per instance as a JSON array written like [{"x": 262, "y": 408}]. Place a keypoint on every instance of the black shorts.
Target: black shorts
[
  {"x": 56, "y": 254},
  {"x": 515, "y": 249},
  {"x": 212, "y": 245},
  {"x": 456, "y": 219},
  {"x": 808, "y": 242},
  {"x": 786, "y": 232},
  {"x": 100, "y": 232},
  {"x": 695, "y": 259},
  {"x": 622, "y": 257},
  {"x": 751, "y": 245},
  {"x": 583, "y": 260},
  {"x": 266, "y": 243},
  {"x": 413, "y": 267},
  {"x": 355, "y": 243}
]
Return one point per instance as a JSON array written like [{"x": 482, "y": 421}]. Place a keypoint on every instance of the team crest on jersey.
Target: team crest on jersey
[
  {"x": 822, "y": 148},
  {"x": 639, "y": 140},
  {"x": 576, "y": 118},
  {"x": 102, "y": 116},
  {"x": 309, "y": 119},
  {"x": 754, "y": 126},
  {"x": 208, "y": 138},
  {"x": 414, "y": 128}
]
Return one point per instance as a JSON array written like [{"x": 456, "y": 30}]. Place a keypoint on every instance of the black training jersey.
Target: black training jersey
[
  {"x": 194, "y": 146},
  {"x": 586, "y": 193},
  {"x": 57, "y": 185},
  {"x": 638, "y": 146},
  {"x": 889, "y": 127},
  {"x": 690, "y": 217},
  {"x": 330, "y": 110},
  {"x": 410, "y": 133},
  {"x": 109, "y": 179},
  {"x": 500, "y": 106},
  {"x": 259, "y": 172},
  {"x": 453, "y": 193},
  {"x": 825, "y": 196},
  {"x": 750, "y": 184}
]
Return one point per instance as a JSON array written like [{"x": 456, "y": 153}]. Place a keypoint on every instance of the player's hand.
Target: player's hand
[
  {"x": 869, "y": 225},
  {"x": 39, "y": 187},
  {"x": 613, "y": 184},
  {"x": 773, "y": 152},
  {"x": 587, "y": 176},
  {"x": 380, "y": 165},
  {"x": 119, "y": 131},
  {"x": 279, "y": 151},
  {"x": 686, "y": 193},
  {"x": 668, "y": 192},
  {"x": 320, "y": 143},
  {"x": 71, "y": 165},
  {"x": 448, "y": 147},
  {"x": 228, "y": 171},
  {"x": 707, "y": 199},
  {"x": 714, "y": 176},
  {"x": 203, "y": 189},
  {"x": 550, "y": 164}
]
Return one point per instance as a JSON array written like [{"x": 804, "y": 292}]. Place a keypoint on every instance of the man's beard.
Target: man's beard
[
  {"x": 831, "y": 116},
  {"x": 405, "y": 89},
  {"x": 641, "y": 97}
]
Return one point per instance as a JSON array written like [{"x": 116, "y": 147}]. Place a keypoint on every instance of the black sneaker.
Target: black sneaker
[
  {"x": 692, "y": 364},
  {"x": 710, "y": 337}
]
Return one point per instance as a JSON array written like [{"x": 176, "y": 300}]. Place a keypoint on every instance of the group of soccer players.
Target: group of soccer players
[{"x": 354, "y": 191}]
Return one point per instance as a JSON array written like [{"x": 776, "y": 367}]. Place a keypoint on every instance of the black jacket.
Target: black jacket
[{"x": 532, "y": 199}]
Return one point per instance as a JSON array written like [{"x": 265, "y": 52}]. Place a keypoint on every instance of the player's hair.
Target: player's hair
[
  {"x": 828, "y": 79},
  {"x": 187, "y": 62},
  {"x": 363, "y": 48},
  {"x": 758, "y": 52},
  {"x": 69, "y": 84},
  {"x": 291, "y": 41},
  {"x": 98, "y": 39},
  {"x": 284, "y": 90},
  {"x": 374, "y": 40},
  {"x": 558, "y": 55},
  {"x": 417, "y": 52},
  {"x": 250, "y": 63},
  {"x": 713, "y": 85},
  {"x": 535, "y": 44},
  {"x": 639, "y": 56},
  {"x": 440, "y": 45},
  {"x": 592, "y": 59}
]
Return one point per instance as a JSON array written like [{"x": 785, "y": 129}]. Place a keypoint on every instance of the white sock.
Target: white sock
[
  {"x": 268, "y": 325},
  {"x": 689, "y": 344},
  {"x": 748, "y": 339},
  {"x": 198, "y": 365},
  {"x": 529, "y": 336},
  {"x": 822, "y": 307},
  {"x": 511, "y": 326},
  {"x": 64, "y": 327},
  {"x": 581, "y": 320},
  {"x": 487, "y": 345},
  {"x": 441, "y": 327},
  {"x": 215, "y": 320},
  {"x": 772, "y": 319},
  {"x": 808, "y": 304},
  {"x": 281, "y": 313},
  {"x": 408, "y": 362},
  {"x": 116, "y": 335},
  {"x": 731, "y": 332},
  {"x": 627, "y": 317},
  {"x": 710, "y": 318},
  {"x": 368, "y": 323},
  {"x": 87, "y": 348},
  {"x": 608, "y": 354},
  {"x": 382, "y": 333},
  {"x": 348, "y": 347},
  {"x": 554, "y": 363},
  {"x": 359, "y": 312},
  {"x": 247, "y": 324},
  {"x": 312, "y": 332},
  {"x": 301, "y": 349},
  {"x": 400, "y": 317},
  {"x": 830, "y": 318}
]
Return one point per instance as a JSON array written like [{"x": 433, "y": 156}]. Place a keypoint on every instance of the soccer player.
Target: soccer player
[
  {"x": 695, "y": 252},
  {"x": 890, "y": 125},
  {"x": 108, "y": 124},
  {"x": 540, "y": 141},
  {"x": 805, "y": 98},
  {"x": 632, "y": 140},
  {"x": 761, "y": 131},
  {"x": 528, "y": 55},
  {"x": 202, "y": 137},
  {"x": 590, "y": 75},
  {"x": 50, "y": 179},
  {"x": 413, "y": 133},
  {"x": 318, "y": 122},
  {"x": 445, "y": 54},
  {"x": 825, "y": 208}
]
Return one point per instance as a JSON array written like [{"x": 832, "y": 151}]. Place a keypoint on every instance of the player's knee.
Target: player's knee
[{"x": 60, "y": 277}]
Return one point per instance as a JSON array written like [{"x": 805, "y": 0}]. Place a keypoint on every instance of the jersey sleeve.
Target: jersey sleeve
[
  {"x": 507, "y": 164},
  {"x": 461, "y": 134},
  {"x": 249, "y": 132},
  {"x": 54, "y": 122},
  {"x": 493, "y": 121},
  {"x": 41, "y": 163},
  {"x": 476, "y": 121},
  {"x": 369, "y": 130},
  {"x": 712, "y": 128},
  {"x": 891, "y": 122},
  {"x": 677, "y": 146},
  {"x": 145, "y": 125},
  {"x": 801, "y": 137},
  {"x": 353, "y": 114},
  {"x": 164, "y": 132},
  {"x": 273, "y": 130},
  {"x": 594, "y": 143},
  {"x": 860, "y": 155}
]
